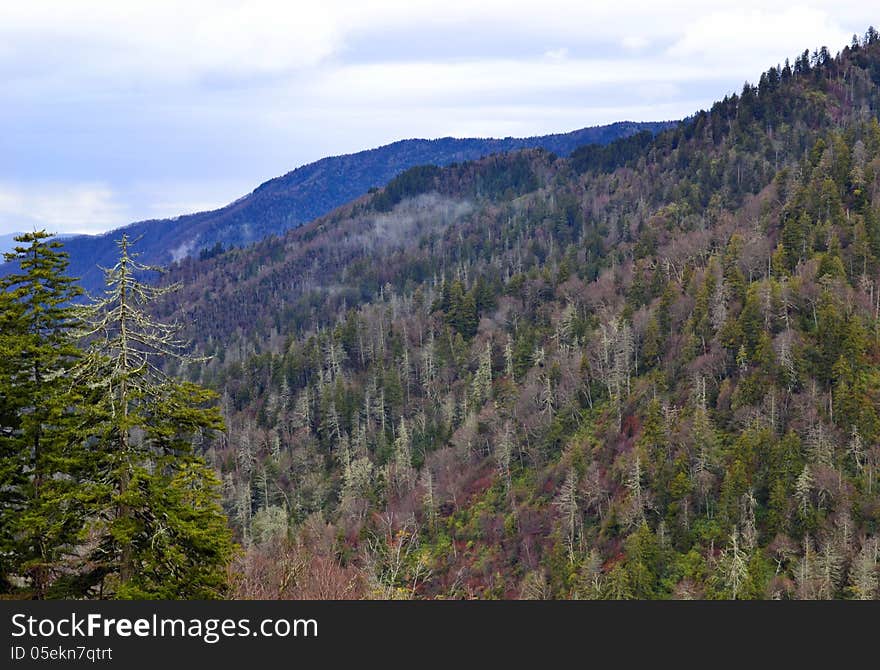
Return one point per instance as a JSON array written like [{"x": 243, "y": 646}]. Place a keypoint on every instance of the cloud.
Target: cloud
[
  {"x": 179, "y": 41},
  {"x": 556, "y": 54},
  {"x": 758, "y": 38},
  {"x": 66, "y": 207},
  {"x": 634, "y": 42},
  {"x": 413, "y": 83},
  {"x": 120, "y": 111},
  {"x": 169, "y": 40},
  {"x": 62, "y": 208}
]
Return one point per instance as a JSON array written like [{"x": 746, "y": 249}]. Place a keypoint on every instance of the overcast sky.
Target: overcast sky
[{"x": 112, "y": 112}]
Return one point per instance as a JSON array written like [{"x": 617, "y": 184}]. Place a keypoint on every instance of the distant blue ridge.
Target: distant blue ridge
[{"x": 306, "y": 193}]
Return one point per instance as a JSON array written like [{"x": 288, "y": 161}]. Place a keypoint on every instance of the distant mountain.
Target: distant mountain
[{"x": 308, "y": 192}]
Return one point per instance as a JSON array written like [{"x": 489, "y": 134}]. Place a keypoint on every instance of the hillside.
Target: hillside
[
  {"x": 645, "y": 371},
  {"x": 306, "y": 193}
]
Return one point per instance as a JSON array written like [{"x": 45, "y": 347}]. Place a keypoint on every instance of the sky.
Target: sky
[{"x": 113, "y": 112}]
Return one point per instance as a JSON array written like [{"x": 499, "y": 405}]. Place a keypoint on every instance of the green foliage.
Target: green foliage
[
  {"x": 102, "y": 490},
  {"x": 180, "y": 538},
  {"x": 614, "y": 155},
  {"x": 416, "y": 180},
  {"x": 42, "y": 508},
  {"x": 460, "y": 308}
]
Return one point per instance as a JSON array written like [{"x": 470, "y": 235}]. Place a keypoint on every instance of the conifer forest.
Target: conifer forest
[{"x": 648, "y": 369}]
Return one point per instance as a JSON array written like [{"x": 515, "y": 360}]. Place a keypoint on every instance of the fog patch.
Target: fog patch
[
  {"x": 184, "y": 250},
  {"x": 406, "y": 223}
]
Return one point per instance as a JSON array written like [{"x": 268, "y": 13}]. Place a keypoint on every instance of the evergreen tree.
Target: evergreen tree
[
  {"x": 160, "y": 530},
  {"x": 10, "y": 472},
  {"x": 41, "y": 465}
]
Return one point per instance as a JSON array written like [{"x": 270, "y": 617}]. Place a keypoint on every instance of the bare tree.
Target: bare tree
[
  {"x": 394, "y": 568},
  {"x": 863, "y": 576},
  {"x": 733, "y": 565},
  {"x": 567, "y": 505}
]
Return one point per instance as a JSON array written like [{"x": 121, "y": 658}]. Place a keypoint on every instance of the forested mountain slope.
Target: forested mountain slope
[
  {"x": 648, "y": 370},
  {"x": 308, "y": 192}
]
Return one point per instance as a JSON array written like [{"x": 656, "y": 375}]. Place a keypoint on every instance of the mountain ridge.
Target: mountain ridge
[
  {"x": 309, "y": 191},
  {"x": 648, "y": 370}
]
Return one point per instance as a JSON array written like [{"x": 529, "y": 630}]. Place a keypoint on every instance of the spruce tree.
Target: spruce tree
[
  {"x": 160, "y": 531},
  {"x": 11, "y": 473},
  {"x": 41, "y": 465}
]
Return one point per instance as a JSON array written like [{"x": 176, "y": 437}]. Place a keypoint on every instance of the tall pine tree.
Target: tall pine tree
[
  {"x": 41, "y": 465},
  {"x": 160, "y": 531}
]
